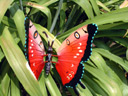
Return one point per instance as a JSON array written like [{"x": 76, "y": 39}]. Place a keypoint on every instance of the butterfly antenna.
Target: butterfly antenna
[
  {"x": 54, "y": 39},
  {"x": 47, "y": 37}
]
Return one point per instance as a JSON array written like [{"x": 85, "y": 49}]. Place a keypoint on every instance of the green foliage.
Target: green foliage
[{"x": 104, "y": 72}]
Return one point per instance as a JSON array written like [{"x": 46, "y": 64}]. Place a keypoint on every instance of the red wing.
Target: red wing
[
  {"x": 75, "y": 49},
  {"x": 34, "y": 49}
]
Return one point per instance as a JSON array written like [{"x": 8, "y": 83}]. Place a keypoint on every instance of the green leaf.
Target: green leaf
[
  {"x": 52, "y": 87},
  {"x": 5, "y": 84},
  {"x": 18, "y": 17},
  {"x": 4, "y": 4},
  {"x": 4, "y": 69},
  {"x": 84, "y": 92},
  {"x": 113, "y": 57},
  {"x": 127, "y": 54},
  {"x": 1, "y": 55},
  {"x": 102, "y": 5},
  {"x": 15, "y": 86},
  {"x": 93, "y": 86},
  {"x": 95, "y": 7},
  {"x": 121, "y": 41},
  {"x": 42, "y": 83},
  {"x": 56, "y": 16},
  {"x": 98, "y": 61},
  {"x": 105, "y": 82},
  {"x": 86, "y": 7}
]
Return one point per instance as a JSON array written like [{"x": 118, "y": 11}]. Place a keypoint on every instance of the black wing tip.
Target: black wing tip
[
  {"x": 26, "y": 24},
  {"x": 92, "y": 30}
]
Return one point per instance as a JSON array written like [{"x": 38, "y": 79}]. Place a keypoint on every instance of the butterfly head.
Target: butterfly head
[{"x": 50, "y": 50}]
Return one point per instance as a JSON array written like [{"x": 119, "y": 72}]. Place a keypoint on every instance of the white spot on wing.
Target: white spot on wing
[
  {"x": 70, "y": 75},
  {"x": 32, "y": 51},
  {"x": 80, "y": 51},
  {"x": 80, "y": 44},
  {"x": 72, "y": 65},
  {"x": 78, "y": 47},
  {"x": 32, "y": 55},
  {"x": 75, "y": 56},
  {"x": 31, "y": 40},
  {"x": 32, "y": 44},
  {"x": 33, "y": 64},
  {"x": 30, "y": 47}
]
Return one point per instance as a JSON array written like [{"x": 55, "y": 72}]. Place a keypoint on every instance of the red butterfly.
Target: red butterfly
[{"x": 75, "y": 50}]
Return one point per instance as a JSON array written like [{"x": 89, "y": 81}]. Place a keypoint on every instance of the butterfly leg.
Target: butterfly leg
[
  {"x": 55, "y": 55},
  {"x": 45, "y": 55},
  {"x": 45, "y": 61},
  {"x": 54, "y": 62}
]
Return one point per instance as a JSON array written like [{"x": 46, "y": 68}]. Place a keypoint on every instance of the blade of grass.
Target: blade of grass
[
  {"x": 5, "y": 85},
  {"x": 4, "y": 4},
  {"x": 52, "y": 87},
  {"x": 92, "y": 85},
  {"x": 113, "y": 57},
  {"x": 18, "y": 17},
  {"x": 110, "y": 2},
  {"x": 127, "y": 54},
  {"x": 56, "y": 16},
  {"x": 70, "y": 17},
  {"x": 1, "y": 55},
  {"x": 42, "y": 84},
  {"x": 84, "y": 92},
  {"x": 15, "y": 87},
  {"x": 4, "y": 69},
  {"x": 1, "y": 93},
  {"x": 95, "y": 7},
  {"x": 114, "y": 26},
  {"x": 105, "y": 82},
  {"x": 8, "y": 22},
  {"x": 86, "y": 7},
  {"x": 102, "y": 5},
  {"x": 110, "y": 33},
  {"x": 121, "y": 41}
]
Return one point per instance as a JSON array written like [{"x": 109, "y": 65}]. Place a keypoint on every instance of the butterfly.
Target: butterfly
[{"x": 74, "y": 50}]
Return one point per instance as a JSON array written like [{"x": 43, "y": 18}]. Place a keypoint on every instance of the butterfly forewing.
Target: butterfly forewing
[
  {"x": 70, "y": 54},
  {"x": 34, "y": 49}
]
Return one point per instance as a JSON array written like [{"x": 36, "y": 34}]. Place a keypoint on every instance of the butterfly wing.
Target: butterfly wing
[
  {"x": 73, "y": 51},
  {"x": 34, "y": 48}
]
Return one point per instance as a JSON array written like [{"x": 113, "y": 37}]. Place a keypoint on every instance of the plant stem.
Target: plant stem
[{"x": 56, "y": 16}]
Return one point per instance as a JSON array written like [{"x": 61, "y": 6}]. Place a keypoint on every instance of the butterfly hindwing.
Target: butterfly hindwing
[
  {"x": 34, "y": 48},
  {"x": 73, "y": 51}
]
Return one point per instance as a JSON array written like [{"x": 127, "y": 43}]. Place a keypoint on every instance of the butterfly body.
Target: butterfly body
[
  {"x": 48, "y": 60},
  {"x": 74, "y": 50}
]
